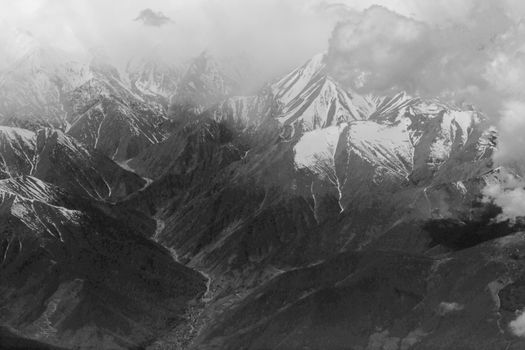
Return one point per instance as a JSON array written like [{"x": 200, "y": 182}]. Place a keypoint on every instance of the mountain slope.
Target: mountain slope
[
  {"x": 382, "y": 300},
  {"x": 32, "y": 89},
  {"x": 17, "y": 151},
  {"x": 54, "y": 157},
  {"x": 74, "y": 275},
  {"x": 310, "y": 96},
  {"x": 154, "y": 78},
  {"x": 204, "y": 82},
  {"x": 106, "y": 115},
  {"x": 47, "y": 87}
]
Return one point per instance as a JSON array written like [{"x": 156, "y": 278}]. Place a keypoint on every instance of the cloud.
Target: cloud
[
  {"x": 378, "y": 50},
  {"x": 508, "y": 194},
  {"x": 381, "y": 51},
  {"x": 151, "y": 18},
  {"x": 517, "y": 326},
  {"x": 446, "y": 307},
  {"x": 511, "y": 132}
]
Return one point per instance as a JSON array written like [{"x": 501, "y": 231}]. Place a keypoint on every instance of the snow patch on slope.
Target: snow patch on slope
[
  {"x": 317, "y": 144},
  {"x": 388, "y": 146},
  {"x": 16, "y": 151},
  {"x": 454, "y": 124},
  {"x": 30, "y": 196}
]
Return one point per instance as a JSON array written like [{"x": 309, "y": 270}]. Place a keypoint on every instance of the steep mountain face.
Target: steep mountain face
[
  {"x": 54, "y": 157},
  {"x": 64, "y": 161},
  {"x": 202, "y": 145},
  {"x": 32, "y": 89},
  {"x": 310, "y": 97},
  {"x": 106, "y": 115},
  {"x": 47, "y": 87},
  {"x": 307, "y": 98},
  {"x": 119, "y": 115},
  {"x": 154, "y": 78},
  {"x": 75, "y": 275},
  {"x": 204, "y": 83},
  {"x": 17, "y": 150}
]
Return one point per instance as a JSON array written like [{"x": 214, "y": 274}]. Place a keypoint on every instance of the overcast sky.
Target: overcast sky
[{"x": 280, "y": 32}]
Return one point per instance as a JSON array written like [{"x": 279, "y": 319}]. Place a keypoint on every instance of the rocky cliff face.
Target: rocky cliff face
[
  {"x": 32, "y": 89},
  {"x": 119, "y": 114},
  {"x": 118, "y": 126},
  {"x": 47, "y": 88}
]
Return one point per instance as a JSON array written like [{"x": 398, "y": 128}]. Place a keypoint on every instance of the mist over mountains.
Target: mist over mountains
[{"x": 261, "y": 175}]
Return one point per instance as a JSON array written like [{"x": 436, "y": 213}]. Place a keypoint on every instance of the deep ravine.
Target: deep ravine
[{"x": 183, "y": 334}]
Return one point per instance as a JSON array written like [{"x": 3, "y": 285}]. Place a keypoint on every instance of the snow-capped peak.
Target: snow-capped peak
[
  {"x": 153, "y": 76},
  {"x": 291, "y": 85},
  {"x": 310, "y": 97},
  {"x": 33, "y": 86}
]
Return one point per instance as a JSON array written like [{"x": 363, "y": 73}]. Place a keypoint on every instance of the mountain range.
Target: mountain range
[{"x": 165, "y": 207}]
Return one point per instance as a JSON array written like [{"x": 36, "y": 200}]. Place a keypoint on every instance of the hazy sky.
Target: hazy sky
[{"x": 278, "y": 32}]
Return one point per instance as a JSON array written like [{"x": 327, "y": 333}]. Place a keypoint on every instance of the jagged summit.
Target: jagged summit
[
  {"x": 203, "y": 83},
  {"x": 288, "y": 87},
  {"x": 153, "y": 76},
  {"x": 315, "y": 99},
  {"x": 18, "y": 43},
  {"x": 32, "y": 89}
]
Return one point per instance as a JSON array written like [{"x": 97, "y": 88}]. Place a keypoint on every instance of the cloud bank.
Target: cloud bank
[
  {"x": 379, "y": 50},
  {"x": 509, "y": 195}
]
